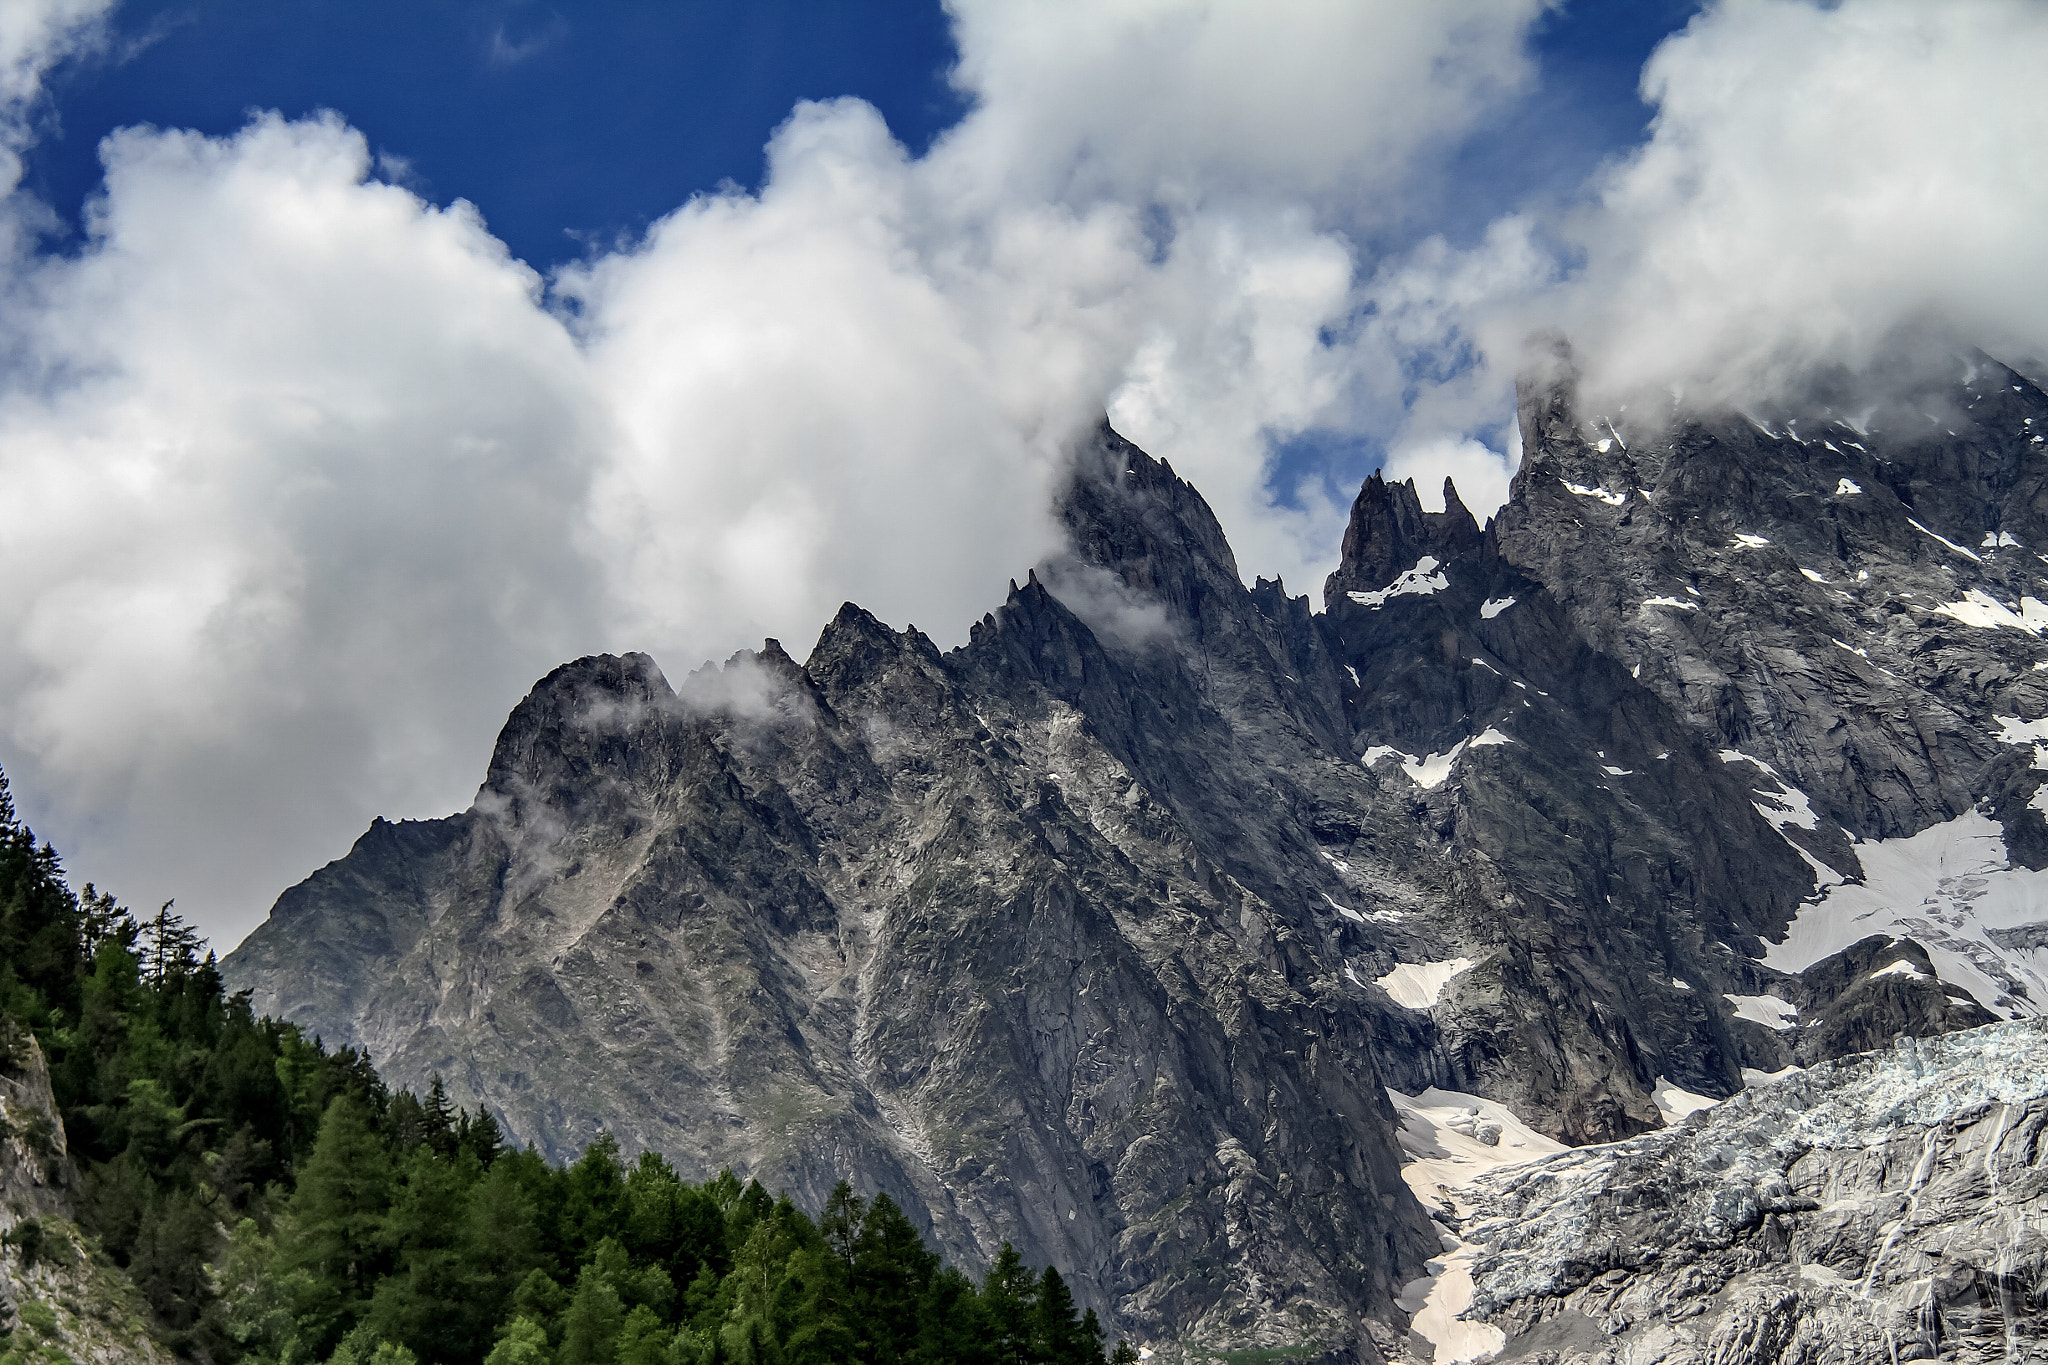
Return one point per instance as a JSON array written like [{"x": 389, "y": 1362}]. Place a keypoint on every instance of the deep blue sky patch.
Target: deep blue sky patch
[{"x": 564, "y": 123}]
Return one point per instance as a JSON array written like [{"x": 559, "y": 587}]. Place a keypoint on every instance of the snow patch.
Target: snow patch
[
  {"x": 1787, "y": 806},
  {"x": 1354, "y": 676},
  {"x": 1678, "y": 602},
  {"x": 1424, "y": 579},
  {"x": 1811, "y": 577},
  {"x": 1444, "y": 1148},
  {"x": 1979, "y": 608},
  {"x": 1346, "y": 911},
  {"x": 1768, "y": 1010},
  {"x": 1999, "y": 540},
  {"x": 1416, "y": 985},
  {"x": 1681, "y": 984},
  {"x": 1752, "y": 1076},
  {"x": 1494, "y": 606},
  {"x": 1611, "y": 499},
  {"x": 1749, "y": 542},
  {"x": 2013, "y": 730},
  {"x": 1431, "y": 769},
  {"x": 1674, "y": 1104},
  {"x": 1967, "y": 554},
  {"x": 1848, "y": 488},
  {"x": 1900, "y": 968}
]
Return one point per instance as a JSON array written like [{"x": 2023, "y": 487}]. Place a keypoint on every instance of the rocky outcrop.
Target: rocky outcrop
[
  {"x": 1887, "y": 1206},
  {"x": 35, "y": 1164},
  {"x": 58, "y": 1298},
  {"x": 1103, "y": 933}
]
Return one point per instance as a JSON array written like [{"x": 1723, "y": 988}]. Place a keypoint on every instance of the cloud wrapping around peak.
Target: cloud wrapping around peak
[
  {"x": 314, "y": 479},
  {"x": 308, "y": 479},
  {"x": 1817, "y": 181}
]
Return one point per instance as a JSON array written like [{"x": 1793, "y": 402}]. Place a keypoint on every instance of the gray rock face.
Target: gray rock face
[
  {"x": 1103, "y": 933},
  {"x": 1888, "y": 1206},
  {"x": 59, "y": 1297},
  {"x": 35, "y": 1165}
]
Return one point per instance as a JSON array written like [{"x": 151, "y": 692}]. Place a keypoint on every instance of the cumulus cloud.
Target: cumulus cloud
[
  {"x": 1819, "y": 180},
  {"x": 285, "y": 514},
  {"x": 1186, "y": 105},
  {"x": 34, "y": 36}
]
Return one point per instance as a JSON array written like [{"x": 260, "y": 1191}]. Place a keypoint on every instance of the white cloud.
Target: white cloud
[
  {"x": 34, "y": 36},
  {"x": 1818, "y": 178},
  {"x": 1480, "y": 472},
  {"x": 1179, "y": 104},
  {"x": 286, "y": 512}
]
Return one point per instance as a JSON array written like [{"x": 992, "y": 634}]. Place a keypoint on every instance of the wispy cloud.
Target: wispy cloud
[{"x": 504, "y": 49}]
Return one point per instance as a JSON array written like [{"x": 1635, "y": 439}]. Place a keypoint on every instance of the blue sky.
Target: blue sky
[
  {"x": 574, "y": 124},
  {"x": 360, "y": 362}
]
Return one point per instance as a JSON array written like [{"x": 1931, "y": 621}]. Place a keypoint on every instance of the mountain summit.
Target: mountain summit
[{"x": 1107, "y": 933}]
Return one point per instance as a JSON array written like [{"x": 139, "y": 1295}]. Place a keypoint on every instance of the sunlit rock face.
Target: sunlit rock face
[
  {"x": 1887, "y": 1206},
  {"x": 1106, "y": 932}
]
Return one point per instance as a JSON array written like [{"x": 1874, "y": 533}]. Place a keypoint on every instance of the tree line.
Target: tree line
[{"x": 275, "y": 1203}]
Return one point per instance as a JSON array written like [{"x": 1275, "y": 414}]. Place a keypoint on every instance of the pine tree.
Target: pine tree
[
  {"x": 523, "y": 1342},
  {"x": 1058, "y": 1336},
  {"x": 1009, "y": 1295},
  {"x": 892, "y": 1269},
  {"x": 479, "y": 1135},
  {"x": 437, "y": 1119},
  {"x": 337, "y": 1223},
  {"x": 590, "y": 1329},
  {"x": 171, "y": 946}
]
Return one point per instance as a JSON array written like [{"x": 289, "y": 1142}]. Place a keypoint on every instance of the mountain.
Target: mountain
[{"x": 1108, "y": 933}]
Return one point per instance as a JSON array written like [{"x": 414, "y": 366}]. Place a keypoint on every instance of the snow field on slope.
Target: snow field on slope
[
  {"x": 1951, "y": 888},
  {"x": 1768, "y": 1010},
  {"x": 1417, "y": 985},
  {"x": 1441, "y": 1156},
  {"x": 1980, "y": 609},
  {"x": 1432, "y": 769}
]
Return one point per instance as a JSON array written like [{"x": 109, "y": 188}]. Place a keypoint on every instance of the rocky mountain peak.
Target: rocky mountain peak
[
  {"x": 571, "y": 727},
  {"x": 1130, "y": 517},
  {"x": 1390, "y": 534}
]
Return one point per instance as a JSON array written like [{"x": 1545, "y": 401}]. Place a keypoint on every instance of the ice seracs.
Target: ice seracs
[{"x": 1952, "y": 888}]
